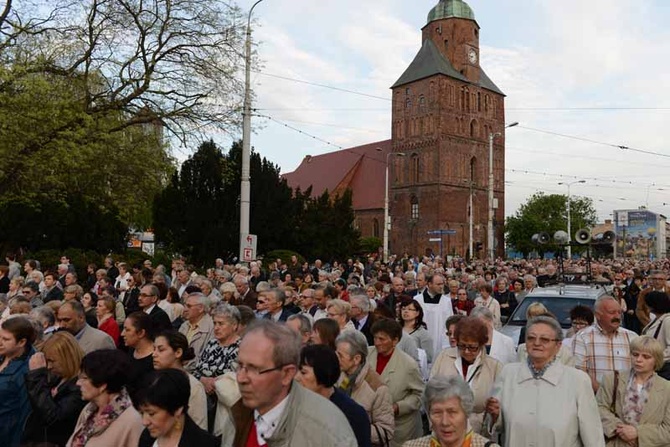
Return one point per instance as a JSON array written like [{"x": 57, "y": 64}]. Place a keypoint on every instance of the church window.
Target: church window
[
  {"x": 414, "y": 168},
  {"x": 408, "y": 91},
  {"x": 479, "y": 102},
  {"x": 473, "y": 169},
  {"x": 486, "y": 103},
  {"x": 375, "y": 227},
  {"x": 422, "y": 104},
  {"x": 408, "y": 104},
  {"x": 474, "y": 129},
  {"x": 414, "y": 208}
]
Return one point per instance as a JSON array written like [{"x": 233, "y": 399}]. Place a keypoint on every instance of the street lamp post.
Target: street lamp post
[
  {"x": 387, "y": 219},
  {"x": 569, "y": 184},
  {"x": 490, "y": 238},
  {"x": 245, "y": 188}
]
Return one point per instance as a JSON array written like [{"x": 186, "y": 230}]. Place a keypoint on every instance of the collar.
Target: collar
[
  {"x": 362, "y": 321},
  {"x": 81, "y": 333},
  {"x": 149, "y": 309},
  {"x": 552, "y": 375},
  {"x": 602, "y": 332},
  {"x": 267, "y": 423}
]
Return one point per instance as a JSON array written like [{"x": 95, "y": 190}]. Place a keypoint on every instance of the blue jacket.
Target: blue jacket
[{"x": 14, "y": 403}]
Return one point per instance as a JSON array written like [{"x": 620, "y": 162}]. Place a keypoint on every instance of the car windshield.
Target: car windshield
[{"x": 559, "y": 306}]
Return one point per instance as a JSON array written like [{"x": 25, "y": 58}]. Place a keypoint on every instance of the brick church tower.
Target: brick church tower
[{"x": 444, "y": 109}]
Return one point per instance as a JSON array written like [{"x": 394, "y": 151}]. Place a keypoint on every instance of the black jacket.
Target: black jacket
[
  {"x": 53, "y": 418},
  {"x": 192, "y": 436},
  {"x": 366, "y": 329},
  {"x": 160, "y": 319}
]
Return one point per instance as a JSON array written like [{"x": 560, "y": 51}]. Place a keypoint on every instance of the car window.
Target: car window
[{"x": 559, "y": 306}]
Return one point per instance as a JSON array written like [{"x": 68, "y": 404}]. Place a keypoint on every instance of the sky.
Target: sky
[{"x": 596, "y": 70}]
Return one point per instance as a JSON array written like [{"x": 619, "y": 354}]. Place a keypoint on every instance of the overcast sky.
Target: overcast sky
[{"x": 607, "y": 60}]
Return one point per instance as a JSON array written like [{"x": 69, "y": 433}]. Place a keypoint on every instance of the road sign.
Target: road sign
[
  {"x": 249, "y": 243},
  {"x": 441, "y": 232},
  {"x": 435, "y": 239}
]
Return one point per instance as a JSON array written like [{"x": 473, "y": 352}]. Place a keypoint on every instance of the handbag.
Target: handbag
[
  {"x": 613, "y": 404},
  {"x": 383, "y": 442}
]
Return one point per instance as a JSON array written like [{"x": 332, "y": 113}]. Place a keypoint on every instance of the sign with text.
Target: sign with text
[{"x": 249, "y": 243}]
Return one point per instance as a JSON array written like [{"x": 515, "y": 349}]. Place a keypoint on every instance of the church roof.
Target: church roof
[
  {"x": 451, "y": 8},
  {"x": 430, "y": 62},
  {"x": 361, "y": 168}
]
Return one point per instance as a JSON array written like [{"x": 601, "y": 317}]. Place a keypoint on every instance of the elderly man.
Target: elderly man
[
  {"x": 307, "y": 304},
  {"x": 322, "y": 294},
  {"x": 72, "y": 318},
  {"x": 437, "y": 307},
  {"x": 198, "y": 327},
  {"x": 275, "y": 299},
  {"x": 604, "y": 346},
  {"x": 301, "y": 324},
  {"x": 148, "y": 300},
  {"x": 183, "y": 281},
  {"x": 361, "y": 314},
  {"x": 247, "y": 296},
  {"x": 280, "y": 411},
  {"x": 499, "y": 346}
]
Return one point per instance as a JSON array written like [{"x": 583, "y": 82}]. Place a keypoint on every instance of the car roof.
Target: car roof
[{"x": 579, "y": 291}]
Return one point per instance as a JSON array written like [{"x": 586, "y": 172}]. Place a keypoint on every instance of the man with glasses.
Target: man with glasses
[
  {"x": 198, "y": 327},
  {"x": 32, "y": 291},
  {"x": 281, "y": 411},
  {"x": 148, "y": 300},
  {"x": 437, "y": 307},
  {"x": 657, "y": 283}
]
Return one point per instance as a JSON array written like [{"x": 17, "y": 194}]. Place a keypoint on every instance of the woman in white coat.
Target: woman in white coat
[{"x": 542, "y": 402}]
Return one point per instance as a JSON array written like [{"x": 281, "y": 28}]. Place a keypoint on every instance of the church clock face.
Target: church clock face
[{"x": 472, "y": 56}]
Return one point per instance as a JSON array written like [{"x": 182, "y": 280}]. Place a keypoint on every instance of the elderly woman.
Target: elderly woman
[
  {"x": 365, "y": 386},
  {"x": 411, "y": 317},
  {"x": 228, "y": 293},
  {"x": 339, "y": 310},
  {"x": 221, "y": 351},
  {"x": 634, "y": 404},
  {"x": 109, "y": 418},
  {"x": 401, "y": 374},
  {"x": 449, "y": 402},
  {"x": 470, "y": 362},
  {"x": 565, "y": 354},
  {"x": 543, "y": 402},
  {"x": 486, "y": 300},
  {"x": 659, "y": 305}
]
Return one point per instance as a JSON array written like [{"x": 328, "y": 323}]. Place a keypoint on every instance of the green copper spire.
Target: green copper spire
[{"x": 451, "y": 9}]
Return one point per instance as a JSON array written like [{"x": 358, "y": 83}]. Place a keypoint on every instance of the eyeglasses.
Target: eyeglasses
[
  {"x": 531, "y": 340},
  {"x": 579, "y": 323},
  {"x": 333, "y": 315},
  {"x": 468, "y": 348},
  {"x": 146, "y": 295},
  {"x": 251, "y": 370}
]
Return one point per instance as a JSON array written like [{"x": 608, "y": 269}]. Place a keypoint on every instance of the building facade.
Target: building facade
[{"x": 445, "y": 108}]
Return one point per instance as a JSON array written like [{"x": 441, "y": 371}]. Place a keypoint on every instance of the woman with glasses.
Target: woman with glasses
[
  {"x": 462, "y": 305},
  {"x": 470, "y": 362},
  {"x": 565, "y": 353},
  {"x": 411, "y": 319},
  {"x": 542, "y": 402},
  {"x": 639, "y": 415},
  {"x": 340, "y": 310},
  {"x": 581, "y": 317}
]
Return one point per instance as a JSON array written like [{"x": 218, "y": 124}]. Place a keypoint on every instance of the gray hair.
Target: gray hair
[
  {"x": 44, "y": 314},
  {"x": 76, "y": 289},
  {"x": 263, "y": 286},
  {"x": 278, "y": 294},
  {"x": 305, "y": 323},
  {"x": 202, "y": 299},
  {"x": 601, "y": 299},
  {"x": 482, "y": 312},
  {"x": 441, "y": 388},
  {"x": 287, "y": 343},
  {"x": 363, "y": 302},
  {"x": 358, "y": 344},
  {"x": 227, "y": 311},
  {"x": 551, "y": 322},
  {"x": 531, "y": 278}
]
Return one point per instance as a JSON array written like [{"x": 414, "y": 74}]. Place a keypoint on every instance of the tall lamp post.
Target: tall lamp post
[
  {"x": 245, "y": 189},
  {"x": 490, "y": 238},
  {"x": 387, "y": 219},
  {"x": 569, "y": 184}
]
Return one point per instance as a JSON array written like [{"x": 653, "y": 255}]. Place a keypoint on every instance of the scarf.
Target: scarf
[
  {"x": 348, "y": 383},
  {"x": 635, "y": 400},
  {"x": 95, "y": 425},
  {"x": 467, "y": 442},
  {"x": 537, "y": 374}
]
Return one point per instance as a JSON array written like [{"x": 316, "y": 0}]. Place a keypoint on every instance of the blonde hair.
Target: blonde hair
[
  {"x": 65, "y": 348},
  {"x": 536, "y": 310},
  {"x": 649, "y": 345},
  {"x": 341, "y": 306}
]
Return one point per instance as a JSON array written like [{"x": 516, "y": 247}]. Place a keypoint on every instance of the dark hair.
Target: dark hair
[
  {"x": 192, "y": 289},
  {"x": 454, "y": 319},
  {"x": 658, "y": 302},
  {"x": 162, "y": 290},
  {"x": 247, "y": 314},
  {"x": 389, "y": 327},
  {"x": 94, "y": 298},
  {"x": 324, "y": 362},
  {"x": 168, "y": 389},
  {"x": 173, "y": 295},
  {"x": 109, "y": 367},
  {"x": 328, "y": 331},
  {"x": 141, "y": 321},
  {"x": 419, "y": 318},
  {"x": 177, "y": 340},
  {"x": 581, "y": 312},
  {"x": 472, "y": 328},
  {"x": 32, "y": 285},
  {"x": 22, "y": 329},
  {"x": 76, "y": 306}
]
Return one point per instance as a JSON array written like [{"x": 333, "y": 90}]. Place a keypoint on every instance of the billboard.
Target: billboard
[{"x": 640, "y": 234}]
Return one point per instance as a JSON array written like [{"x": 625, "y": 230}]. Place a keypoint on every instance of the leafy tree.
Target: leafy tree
[{"x": 547, "y": 213}]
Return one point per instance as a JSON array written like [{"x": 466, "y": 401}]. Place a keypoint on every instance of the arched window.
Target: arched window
[
  {"x": 486, "y": 103},
  {"x": 414, "y": 202},
  {"x": 422, "y": 104},
  {"x": 408, "y": 104},
  {"x": 473, "y": 169},
  {"x": 414, "y": 168},
  {"x": 375, "y": 227},
  {"x": 474, "y": 129},
  {"x": 479, "y": 102}
]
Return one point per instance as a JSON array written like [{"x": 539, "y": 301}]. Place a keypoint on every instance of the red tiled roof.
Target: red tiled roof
[{"x": 360, "y": 168}]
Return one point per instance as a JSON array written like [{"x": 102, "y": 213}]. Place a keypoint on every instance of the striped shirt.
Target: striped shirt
[{"x": 597, "y": 353}]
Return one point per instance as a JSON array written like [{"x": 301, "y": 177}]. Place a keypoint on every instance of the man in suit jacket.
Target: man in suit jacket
[
  {"x": 360, "y": 314},
  {"x": 275, "y": 299},
  {"x": 147, "y": 300},
  {"x": 198, "y": 327},
  {"x": 72, "y": 318},
  {"x": 247, "y": 296}
]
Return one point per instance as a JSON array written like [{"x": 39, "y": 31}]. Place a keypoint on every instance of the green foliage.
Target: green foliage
[
  {"x": 547, "y": 213},
  {"x": 198, "y": 212},
  {"x": 370, "y": 244},
  {"x": 283, "y": 254}
]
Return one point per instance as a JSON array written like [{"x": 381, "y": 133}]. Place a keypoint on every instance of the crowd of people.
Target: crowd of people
[{"x": 404, "y": 353}]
